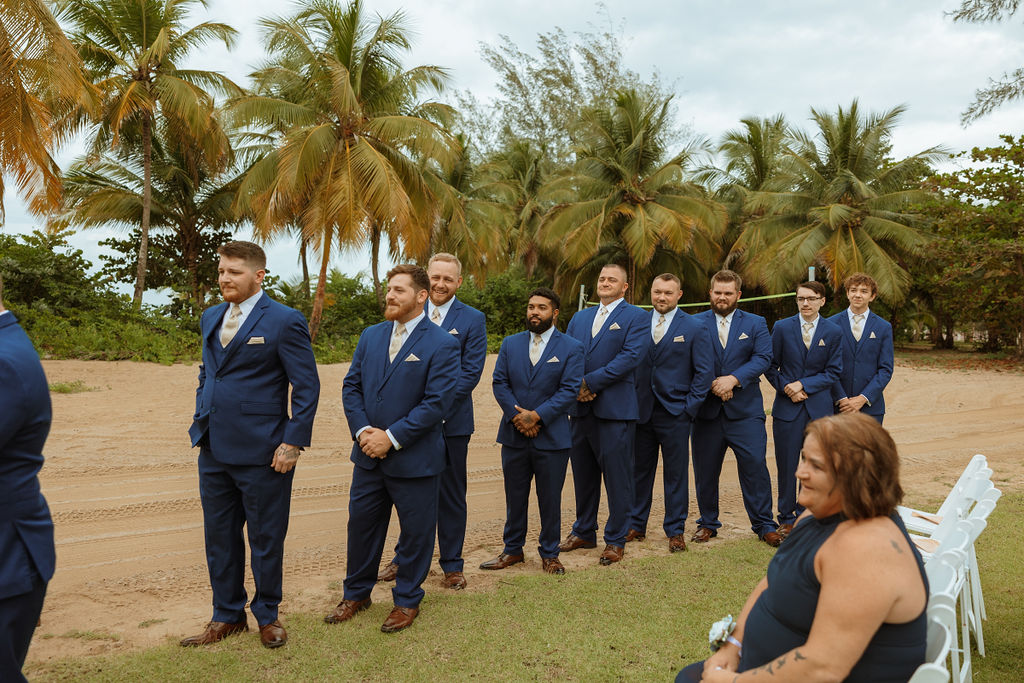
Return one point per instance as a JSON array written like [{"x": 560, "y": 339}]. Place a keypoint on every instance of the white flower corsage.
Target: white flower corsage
[{"x": 721, "y": 633}]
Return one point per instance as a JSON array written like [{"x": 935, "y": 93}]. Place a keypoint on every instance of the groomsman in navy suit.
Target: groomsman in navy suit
[
  {"x": 536, "y": 380},
  {"x": 467, "y": 326},
  {"x": 615, "y": 335},
  {"x": 672, "y": 379},
  {"x": 254, "y": 349},
  {"x": 397, "y": 391},
  {"x": 26, "y": 532},
  {"x": 867, "y": 351},
  {"x": 732, "y": 415},
  {"x": 807, "y": 359}
]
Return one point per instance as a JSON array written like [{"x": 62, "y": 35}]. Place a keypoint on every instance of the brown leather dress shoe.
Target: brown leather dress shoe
[
  {"x": 454, "y": 580},
  {"x": 772, "y": 538},
  {"x": 703, "y": 535},
  {"x": 552, "y": 565},
  {"x": 785, "y": 529},
  {"x": 634, "y": 535},
  {"x": 574, "y": 542},
  {"x": 215, "y": 631},
  {"x": 345, "y": 610},
  {"x": 400, "y": 618},
  {"x": 273, "y": 634},
  {"x": 502, "y": 561},
  {"x": 388, "y": 573},
  {"x": 677, "y": 544},
  {"x": 611, "y": 553}
]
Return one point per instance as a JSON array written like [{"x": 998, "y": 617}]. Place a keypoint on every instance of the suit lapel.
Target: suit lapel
[
  {"x": 735, "y": 330},
  {"x": 612, "y": 317},
  {"x": 210, "y": 337},
  {"x": 453, "y": 313},
  {"x": 869, "y": 327},
  {"x": 250, "y": 321},
  {"x": 549, "y": 352},
  {"x": 658, "y": 350}
]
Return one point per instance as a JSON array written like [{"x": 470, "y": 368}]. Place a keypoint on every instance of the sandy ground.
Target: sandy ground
[{"x": 123, "y": 488}]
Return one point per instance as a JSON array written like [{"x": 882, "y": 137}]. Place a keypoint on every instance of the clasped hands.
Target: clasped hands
[
  {"x": 722, "y": 386},
  {"x": 795, "y": 391},
  {"x": 375, "y": 442},
  {"x": 852, "y": 405},
  {"x": 585, "y": 395},
  {"x": 527, "y": 422}
]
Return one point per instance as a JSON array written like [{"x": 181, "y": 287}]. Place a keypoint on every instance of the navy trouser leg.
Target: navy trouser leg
[
  {"x": 615, "y": 458},
  {"x": 549, "y": 469},
  {"x": 709, "y": 446},
  {"x": 645, "y": 466},
  {"x": 586, "y": 476},
  {"x": 674, "y": 434},
  {"x": 517, "y": 471},
  {"x": 789, "y": 439},
  {"x": 749, "y": 442},
  {"x": 223, "y": 518},
  {"x": 369, "y": 512},
  {"x": 266, "y": 497},
  {"x": 18, "y": 617},
  {"x": 451, "y": 506},
  {"x": 415, "y": 499}
]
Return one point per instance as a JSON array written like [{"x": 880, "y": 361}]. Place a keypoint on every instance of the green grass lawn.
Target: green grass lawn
[{"x": 640, "y": 620}]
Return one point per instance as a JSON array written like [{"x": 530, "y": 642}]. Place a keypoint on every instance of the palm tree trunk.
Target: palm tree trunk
[
  {"x": 321, "y": 286},
  {"x": 374, "y": 267},
  {"x": 147, "y": 200},
  {"x": 303, "y": 247}
]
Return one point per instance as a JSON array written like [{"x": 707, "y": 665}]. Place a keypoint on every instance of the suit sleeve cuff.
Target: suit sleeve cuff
[
  {"x": 866, "y": 399},
  {"x": 394, "y": 441}
]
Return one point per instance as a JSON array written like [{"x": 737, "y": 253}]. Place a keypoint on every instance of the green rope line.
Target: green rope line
[{"x": 708, "y": 303}]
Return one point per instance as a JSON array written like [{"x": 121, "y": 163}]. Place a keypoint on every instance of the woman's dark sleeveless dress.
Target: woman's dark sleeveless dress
[{"x": 781, "y": 618}]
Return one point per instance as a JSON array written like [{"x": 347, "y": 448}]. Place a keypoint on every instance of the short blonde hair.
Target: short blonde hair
[{"x": 446, "y": 258}]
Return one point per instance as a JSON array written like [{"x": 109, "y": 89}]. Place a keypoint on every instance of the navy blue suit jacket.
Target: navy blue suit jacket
[
  {"x": 409, "y": 396},
  {"x": 549, "y": 387},
  {"x": 26, "y": 530},
  {"x": 817, "y": 368},
  {"x": 867, "y": 364},
  {"x": 747, "y": 354},
  {"x": 242, "y": 399},
  {"x": 469, "y": 327},
  {"x": 610, "y": 359},
  {"x": 676, "y": 372}
]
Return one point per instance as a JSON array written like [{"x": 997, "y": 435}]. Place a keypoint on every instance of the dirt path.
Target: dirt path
[{"x": 123, "y": 487}]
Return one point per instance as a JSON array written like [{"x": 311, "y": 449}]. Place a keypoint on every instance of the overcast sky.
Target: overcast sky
[{"x": 725, "y": 59}]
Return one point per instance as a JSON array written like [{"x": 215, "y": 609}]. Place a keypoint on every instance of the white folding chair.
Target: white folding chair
[
  {"x": 958, "y": 503},
  {"x": 946, "y": 574},
  {"x": 924, "y": 522},
  {"x": 979, "y": 515},
  {"x": 940, "y": 642}
]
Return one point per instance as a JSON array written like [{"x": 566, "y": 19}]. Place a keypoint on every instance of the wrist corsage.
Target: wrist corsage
[{"x": 721, "y": 633}]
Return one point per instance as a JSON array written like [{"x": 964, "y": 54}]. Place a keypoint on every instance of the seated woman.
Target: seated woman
[{"x": 845, "y": 595}]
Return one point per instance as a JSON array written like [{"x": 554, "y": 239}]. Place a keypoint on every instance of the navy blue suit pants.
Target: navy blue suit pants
[
  {"x": 789, "y": 440},
  {"x": 672, "y": 434},
  {"x": 602, "y": 448},
  {"x": 19, "y": 615},
  {"x": 259, "y": 498},
  {"x": 547, "y": 468}
]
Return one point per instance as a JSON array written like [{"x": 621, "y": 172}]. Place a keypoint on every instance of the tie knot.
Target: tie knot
[
  {"x": 236, "y": 310},
  {"x": 399, "y": 328},
  {"x": 537, "y": 339},
  {"x": 661, "y": 319},
  {"x": 858, "y": 317}
]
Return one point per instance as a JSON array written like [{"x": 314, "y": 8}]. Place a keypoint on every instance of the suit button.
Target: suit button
[
  {"x": 214, "y": 409},
  {"x": 379, "y": 399},
  {"x": 218, "y": 379}
]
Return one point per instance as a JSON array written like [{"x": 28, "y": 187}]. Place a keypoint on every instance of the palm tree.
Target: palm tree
[
  {"x": 849, "y": 209},
  {"x": 626, "y": 201},
  {"x": 350, "y": 167},
  {"x": 40, "y": 70},
  {"x": 132, "y": 49},
  {"x": 194, "y": 180}
]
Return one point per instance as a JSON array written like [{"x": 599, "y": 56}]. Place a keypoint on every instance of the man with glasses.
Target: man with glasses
[{"x": 806, "y": 361}]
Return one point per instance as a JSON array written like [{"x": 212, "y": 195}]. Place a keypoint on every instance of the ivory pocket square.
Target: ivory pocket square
[
  {"x": 872, "y": 336},
  {"x": 680, "y": 338},
  {"x": 821, "y": 342},
  {"x": 553, "y": 359},
  {"x": 256, "y": 340},
  {"x": 615, "y": 326},
  {"x": 743, "y": 335},
  {"x": 411, "y": 357},
  {"x": 454, "y": 331}
]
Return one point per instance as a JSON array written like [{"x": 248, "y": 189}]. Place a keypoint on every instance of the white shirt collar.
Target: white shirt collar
[
  {"x": 545, "y": 336},
  {"x": 814, "y": 323},
  {"x": 668, "y": 317},
  {"x": 246, "y": 307},
  {"x": 4, "y": 311},
  {"x": 611, "y": 307},
  {"x": 444, "y": 308},
  {"x": 411, "y": 325},
  {"x": 850, "y": 314},
  {"x": 726, "y": 318}
]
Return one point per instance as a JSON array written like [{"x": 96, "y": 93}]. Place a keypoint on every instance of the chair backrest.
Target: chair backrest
[
  {"x": 942, "y": 573},
  {"x": 976, "y": 463},
  {"x": 940, "y": 640},
  {"x": 959, "y": 538}
]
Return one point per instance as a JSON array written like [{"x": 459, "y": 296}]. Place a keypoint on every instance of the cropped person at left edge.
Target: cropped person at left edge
[{"x": 253, "y": 349}]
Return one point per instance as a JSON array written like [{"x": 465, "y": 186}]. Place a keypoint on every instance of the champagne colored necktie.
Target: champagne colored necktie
[
  {"x": 807, "y": 335},
  {"x": 858, "y": 326},
  {"x": 659, "y": 329},
  {"x": 598, "y": 321},
  {"x": 230, "y": 327},
  {"x": 723, "y": 331},
  {"x": 535, "y": 349},
  {"x": 435, "y": 317},
  {"x": 396, "y": 341}
]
